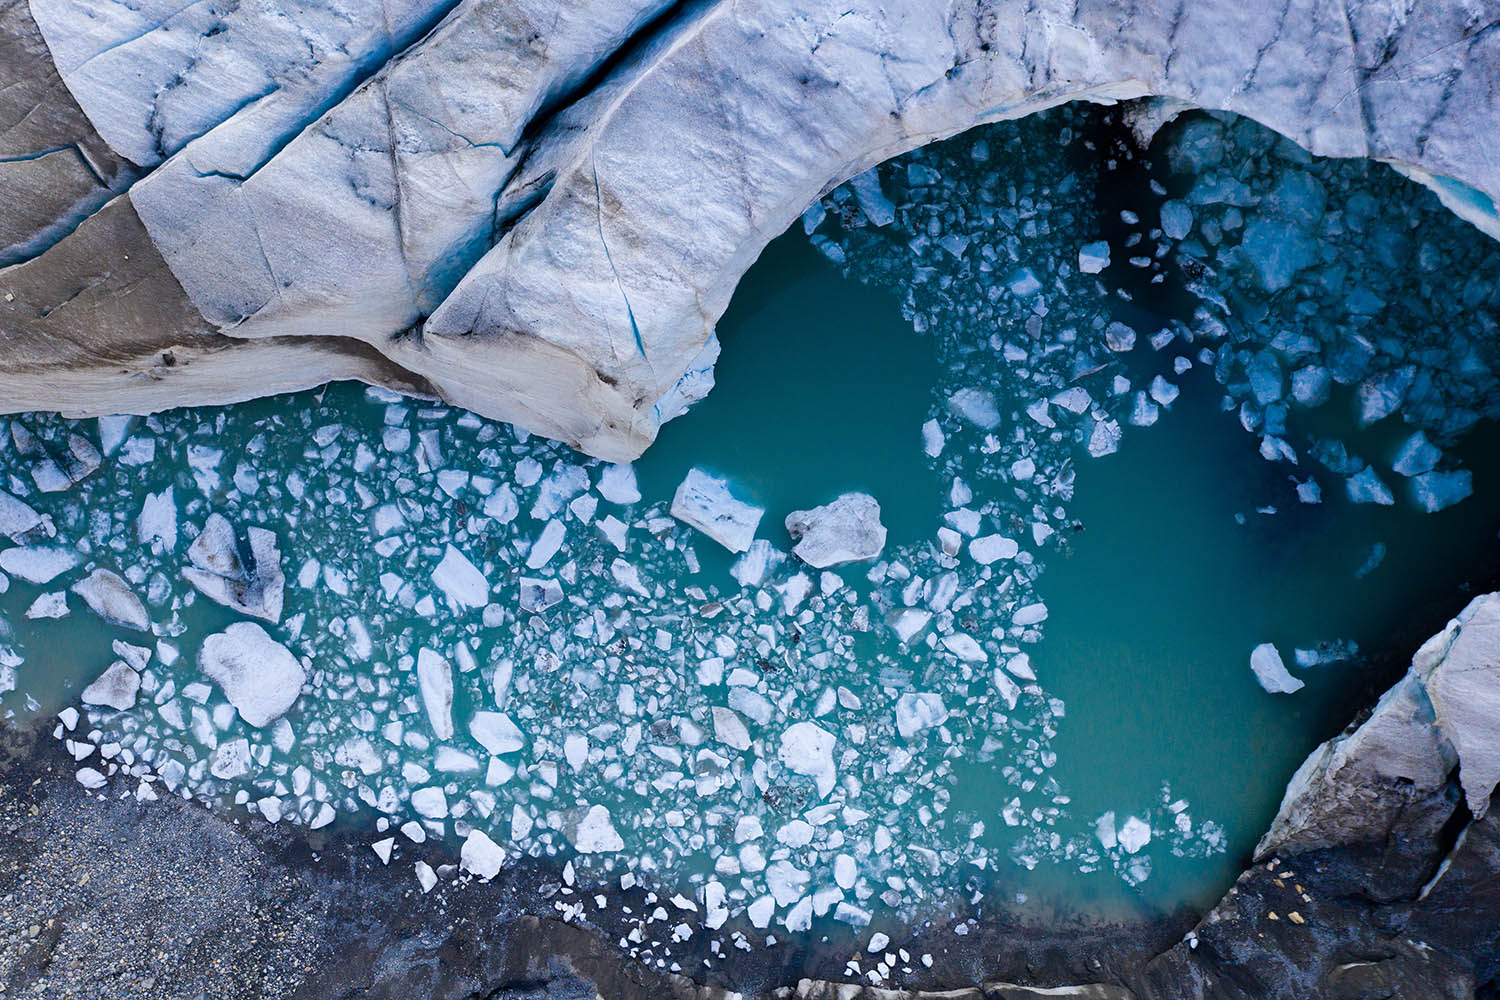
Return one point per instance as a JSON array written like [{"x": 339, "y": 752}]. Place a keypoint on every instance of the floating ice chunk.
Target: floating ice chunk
[
  {"x": 1310, "y": 385},
  {"x": 496, "y": 732},
  {"x": 795, "y": 834},
  {"x": 1104, "y": 829},
  {"x": 260, "y": 677},
  {"x": 54, "y": 473},
  {"x": 878, "y": 942},
  {"x": 360, "y": 753},
  {"x": 704, "y": 502},
  {"x": 17, "y": 518},
  {"x": 1366, "y": 487},
  {"x": 1436, "y": 490},
  {"x": 38, "y": 564},
  {"x": 1022, "y": 283},
  {"x": 1094, "y": 257},
  {"x": 844, "y": 531},
  {"x": 845, "y": 871},
  {"x": 547, "y": 544},
  {"x": 1382, "y": 394},
  {"x": 426, "y": 877},
  {"x": 231, "y": 760},
  {"x": 907, "y": 622},
  {"x": 502, "y": 504},
  {"x": 554, "y": 493},
  {"x": 596, "y": 834},
  {"x": 382, "y": 849},
  {"x": 1075, "y": 400},
  {"x": 48, "y": 606},
  {"x": 1264, "y": 373},
  {"x": 435, "y": 678},
  {"x": 759, "y": 912},
  {"x": 963, "y": 646},
  {"x": 1135, "y": 833},
  {"x": 1105, "y": 439},
  {"x": 1324, "y": 653},
  {"x": 1040, "y": 411},
  {"x": 977, "y": 406},
  {"x": 481, "y": 856},
  {"x": 787, "y": 882},
  {"x": 158, "y": 520},
  {"x": 1373, "y": 558},
  {"x": 1145, "y": 412},
  {"x": 1176, "y": 219},
  {"x": 932, "y": 439},
  {"x": 1308, "y": 491},
  {"x": 1163, "y": 392},
  {"x": 1119, "y": 337},
  {"x": 751, "y": 568},
  {"x": 461, "y": 580},
  {"x": 253, "y": 586},
  {"x": 115, "y": 688},
  {"x": 1030, "y": 614},
  {"x": 539, "y": 595},
  {"x": 617, "y": 484},
  {"x": 919, "y": 711},
  {"x": 807, "y": 749},
  {"x": 90, "y": 778},
  {"x": 1416, "y": 456},
  {"x": 729, "y": 728},
  {"x": 1023, "y": 470},
  {"x": 111, "y": 598},
  {"x": 871, "y": 199},
  {"x": 430, "y": 802},
  {"x": 1271, "y": 672},
  {"x": 628, "y": 577}
]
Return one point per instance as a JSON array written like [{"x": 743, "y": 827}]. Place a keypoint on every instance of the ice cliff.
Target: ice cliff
[{"x": 539, "y": 210}]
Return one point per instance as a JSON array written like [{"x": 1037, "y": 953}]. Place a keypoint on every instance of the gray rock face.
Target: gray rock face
[
  {"x": 1391, "y": 781},
  {"x": 492, "y": 211}
]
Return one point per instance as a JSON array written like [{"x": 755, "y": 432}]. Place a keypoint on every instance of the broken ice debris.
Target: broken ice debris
[
  {"x": 481, "y": 856},
  {"x": 1271, "y": 672},
  {"x": 596, "y": 834},
  {"x": 260, "y": 677},
  {"x": 435, "y": 678},
  {"x": 496, "y": 732},
  {"x": 704, "y": 502},
  {"x": 1094, "y": 257},
  {"x": 1366, "y": 487},
  {"x": 539, "y": 595},
  {"x": 111, "y": 598},
  {"x": 115, "y": 688},
  {"x": 807, "y": 749},
  {"x": 1436, "y": 490},
  {"x": 462, "y": 582},
  {"x": 977, "y": 406},
  {"x": 918, "y": 711},
  {"x": 38, "y": 564},
  {"x": 250, "y": 582},
  {"x": 1134, "y": 834},
  {"x": 846, "y": 530},
  {"x": 17, "y": 519}
]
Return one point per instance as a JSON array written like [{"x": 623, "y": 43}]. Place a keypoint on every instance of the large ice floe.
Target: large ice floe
[{"x": 468, "y": 633}]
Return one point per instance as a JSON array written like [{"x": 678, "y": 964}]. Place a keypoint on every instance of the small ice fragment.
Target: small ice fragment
[
  {"x": 1135, "y": 834},
  {"x": 112, "y": 599},
  {"x": 1435, "y": 491},
  {"x": 596, "y": 834},
  {"x": 260, "y": 677},
  {"x": 977, "y": 406},
  {"x": 115, "y": 688},
  {"x": 807, "y": 749},
  {"x": 918, "y": 711},
  {"x": 1271, "y": 672},
  {"x": 481, "y": 856}
]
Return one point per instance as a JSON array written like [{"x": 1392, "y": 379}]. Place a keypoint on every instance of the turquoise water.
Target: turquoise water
[{"x": 1083, "y": 569}]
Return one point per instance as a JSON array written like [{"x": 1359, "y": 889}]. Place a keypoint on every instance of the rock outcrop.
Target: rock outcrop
[
  {"x": 539, "y": 210},
  {"x": 1390, "y": 786}
]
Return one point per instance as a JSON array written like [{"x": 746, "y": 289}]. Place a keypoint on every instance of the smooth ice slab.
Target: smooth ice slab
[
  {"x": 260, "y": 677},
  {"x": 704, "y": 502},
  {"x": 844, "y": 531},
  {"x": 1271, "y": 672}
]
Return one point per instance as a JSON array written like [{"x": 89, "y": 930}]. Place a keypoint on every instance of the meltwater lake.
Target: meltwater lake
[{"x": 1132, "y": 422}]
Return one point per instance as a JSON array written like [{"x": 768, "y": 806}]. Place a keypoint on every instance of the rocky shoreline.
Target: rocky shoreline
[{"x": 110, "y": 897}]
